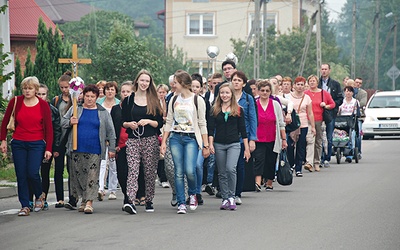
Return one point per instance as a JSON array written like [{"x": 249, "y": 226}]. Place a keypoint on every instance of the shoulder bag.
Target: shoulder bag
[
  {"x": 295, "y": 124},
  {"x": 11, "y": 122},
  {"x": 327, "y": 114}
]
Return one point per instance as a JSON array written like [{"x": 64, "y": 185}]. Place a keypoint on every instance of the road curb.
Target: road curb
[{"x": 12, "y": 190}]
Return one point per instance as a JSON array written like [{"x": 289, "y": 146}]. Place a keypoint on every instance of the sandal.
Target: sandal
[
  {"x": 258, "y": 187},
  {"x": 137, "y": 202},
  {"x": 100, "y": 195},
  {"x": 24, "y": 211},
  {"x": 39, "y": 204},
  {"x": 88, "y": 209},
  {"x": 82, "y": 207},
  {"x": 59, "y": 204},
  {"x": 142, "y": 201}
]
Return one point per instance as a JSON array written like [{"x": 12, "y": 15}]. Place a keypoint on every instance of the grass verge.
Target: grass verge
[{"x": 8, "y": 173}]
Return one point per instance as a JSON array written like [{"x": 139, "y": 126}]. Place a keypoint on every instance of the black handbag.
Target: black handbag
[
  {"x": 295, "y": 124},
  {"x": 284, "y": 176},
  {"x": 327, "y": 114}
]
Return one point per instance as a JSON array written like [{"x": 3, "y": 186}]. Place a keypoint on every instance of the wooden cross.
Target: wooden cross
[{"x": 75, "y": 60}]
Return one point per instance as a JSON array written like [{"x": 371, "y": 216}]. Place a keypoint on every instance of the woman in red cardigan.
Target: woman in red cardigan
[{"x": 32, "y": 141}]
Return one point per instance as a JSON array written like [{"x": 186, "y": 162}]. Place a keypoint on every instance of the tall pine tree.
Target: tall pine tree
[
  {"x": 18, "y": 78},
  {"x": 29, "y": 67}
]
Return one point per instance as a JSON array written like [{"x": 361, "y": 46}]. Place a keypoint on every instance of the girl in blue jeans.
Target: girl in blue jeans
[
  {"x": 227, "y": 121},
  {"x": 186, "y": 123}
]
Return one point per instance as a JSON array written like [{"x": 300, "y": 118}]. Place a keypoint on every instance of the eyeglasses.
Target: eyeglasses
[{"x": 265, "y": 90}]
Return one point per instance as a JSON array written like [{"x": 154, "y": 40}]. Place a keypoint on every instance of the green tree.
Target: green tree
[
  {"x": 49, "y": 47},
  {"x": 18, "y": 78},
  {"x": 139, "y": 11},
  {"x": 80, "y": 32},
  {"x": 29, "y": 67},
  {"x": 92, "y": 43},
  {"x": 365, "y": 52},
  {"x": 171, "y": 58},
  {"x": 122, "y": 56}
]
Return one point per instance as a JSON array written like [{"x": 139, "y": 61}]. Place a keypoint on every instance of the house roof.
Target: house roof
[
  {"x": 62, "y": 11},
  {"x": 24, "y": 19}
]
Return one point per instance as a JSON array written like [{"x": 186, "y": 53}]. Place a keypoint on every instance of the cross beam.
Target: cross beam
[{"x": 75, "y": 60}]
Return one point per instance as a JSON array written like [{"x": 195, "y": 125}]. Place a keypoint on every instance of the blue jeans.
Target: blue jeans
[
  {"x": 329, "y": 135},
  {"x": 297, "y": 160},
  {"x": 199, "y": 171},
  {"x": 184, "y": 150},
  {"x": 353, "y": 143},
  {"x": 359, "y": 139},
  {"x": 240, "y": 172},
  {"x": 28, "y": 157}
]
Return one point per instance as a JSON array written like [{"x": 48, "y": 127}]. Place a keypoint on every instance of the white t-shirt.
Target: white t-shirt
[
  {"x": 183, "y": 115},
  {"x": 348, "y": 108}
]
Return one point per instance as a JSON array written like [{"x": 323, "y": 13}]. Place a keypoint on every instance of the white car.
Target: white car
[{"x": 382, "y": 114}]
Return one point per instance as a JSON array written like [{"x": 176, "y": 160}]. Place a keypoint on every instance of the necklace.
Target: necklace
[{"x": 137, "y": 132}]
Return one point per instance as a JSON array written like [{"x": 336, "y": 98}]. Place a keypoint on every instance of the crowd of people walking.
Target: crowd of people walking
[{"x": 198, "y": 135}]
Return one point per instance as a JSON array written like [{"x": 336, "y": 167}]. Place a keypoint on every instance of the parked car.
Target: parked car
[{"x": 382, "y": 114}]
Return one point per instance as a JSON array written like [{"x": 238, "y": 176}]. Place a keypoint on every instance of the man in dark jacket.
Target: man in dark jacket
[{"x": 333, "y": 87}]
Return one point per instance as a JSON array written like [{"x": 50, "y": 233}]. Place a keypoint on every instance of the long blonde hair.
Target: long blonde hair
[
  {"x": 217, "y": 108},
  {"x": 153, "y": 103}
]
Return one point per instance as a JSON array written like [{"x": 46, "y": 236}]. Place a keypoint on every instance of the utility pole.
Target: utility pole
[
  {"x": 319, "y": 52},
  {"x": 353, "y": 44},
  {"x": 376, "y": 68},
  {"x": 257, "y": 39},
  {"x": 394, "y": 50},
  {"x": 265, "y": 33},
  {"x": 307, "y": 45}
]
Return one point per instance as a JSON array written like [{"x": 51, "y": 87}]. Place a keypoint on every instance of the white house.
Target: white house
[{"x": 193, "y": 25}]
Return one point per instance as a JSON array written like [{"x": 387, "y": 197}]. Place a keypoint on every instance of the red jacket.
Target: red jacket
[{"x": 47, "y": 124}]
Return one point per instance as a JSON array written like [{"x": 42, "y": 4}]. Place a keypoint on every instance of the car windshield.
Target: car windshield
[{"x": 385, "y": 102}]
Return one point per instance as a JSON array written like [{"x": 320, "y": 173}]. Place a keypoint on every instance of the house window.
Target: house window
[
  {"x": 198, "y": 67},
  {"x": 200, "y": 24},
  {"x": 271, "y": 20}
]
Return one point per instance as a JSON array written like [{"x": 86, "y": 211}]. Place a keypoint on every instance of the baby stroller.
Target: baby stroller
[{"x": 345, "y": 135}]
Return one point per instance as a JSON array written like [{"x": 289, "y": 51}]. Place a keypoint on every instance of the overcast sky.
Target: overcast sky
[{"x": 334, "y": 7}]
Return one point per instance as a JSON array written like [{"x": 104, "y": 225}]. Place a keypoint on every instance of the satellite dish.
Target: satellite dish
[{"x": 212, "y": 51}]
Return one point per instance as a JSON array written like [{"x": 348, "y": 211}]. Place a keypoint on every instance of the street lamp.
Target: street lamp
[
  {"x": 232, "y": 57},
  {"x": 212, "y": 52}
]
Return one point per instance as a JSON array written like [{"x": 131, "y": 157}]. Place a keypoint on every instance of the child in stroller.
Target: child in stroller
[{"x": 346, "y": 127}]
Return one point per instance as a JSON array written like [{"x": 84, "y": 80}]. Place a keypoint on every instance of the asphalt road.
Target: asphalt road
[{"x": 346, "y": 206}]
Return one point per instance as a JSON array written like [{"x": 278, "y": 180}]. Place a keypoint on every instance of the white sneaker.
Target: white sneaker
[
  {"x": 182, "y": 209},
  {"x": 112, "y": 196},
  {"x": 238, "y": 201},
  {"x": 165, "y": 184}
]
